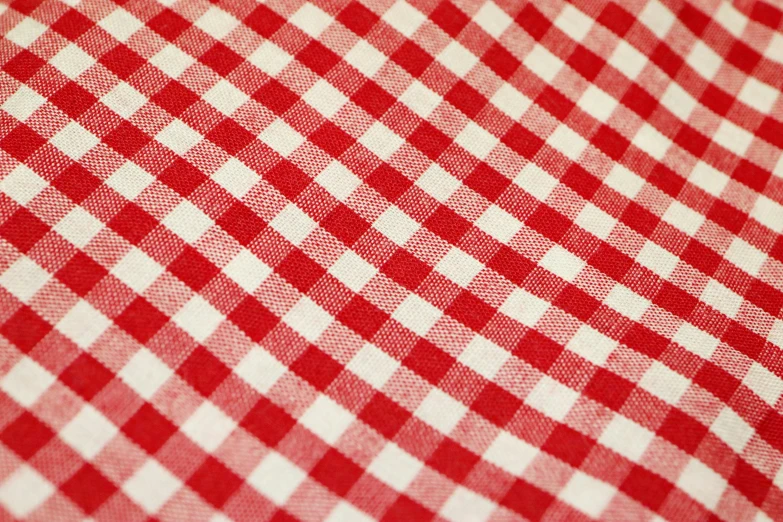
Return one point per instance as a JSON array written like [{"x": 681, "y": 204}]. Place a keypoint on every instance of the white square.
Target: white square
[
  {"x": 270, "y": 58},
  {"x": 587, "y": 494},
  {"x": 459, "y": 267},
  {"x": 732, "y": 137},
  {"x": 657, "y": 259},
  {"x": 395, "y": 467},
  {"x": 366, "y": 58},
  {"x": 353, "y": 271},
  {"x": 420, "y": 99},
  {"x": 440, "y": 411},
  {"x": 627, "y": 302},
  {"x": 651, "y": 141},
  {"x": 121, "y": 24},
  {"x": 568, "y": 142},
  {"x": 324, "y": 98},
  {"x": 74, "y": 141},
  {"x": 510, "y": 453},
  {"x": 417, "y": 315},
  {"x": 83, "y": 324},
  {"x": 704, "y": 60},
  {"x": 137, "y": 270},
  {"x": 499, "y": 224},
  {"x": 311, "y": 20},
  {"x": 225, "y": 97},
  {"x": 457, "y": 59},
  {"x": 683, "y": 218},
  {"x": 130, "y": 180},
  {"x": 381, "y": 140},
  {"x": 731, "y": 18},
  {"x": 236, "y": 178},
  {"x": 745, "y": 256},
  {"x": 702, "y": 483},
  {"x": 562, "y": 263},
  {"x": 721, "y": 298},
  {"x": 708, "y": 178},
  {"x": 327, "y": 419},
  {"x": 536, "y": 181},
  {"x": 466, "y": 506},
  {"x": 624, "y": 181},
  {"x": 124, "y": 99},
  {"x": 524, "y": 307},
  {"x": 24, "y": 278},
  {"x": 88, "y": 432},
  {"x": 281, "y": 137},
  {"x": 696, "y": 341},
  {"x": 23, "y": 103},
  {"x": 438, "y": 183},
  {"x": 592, "y": 345},
  {"x": 26, "y": 382},
  {"x": 484, "y": 357},
  {"x": 626, "y": 437},
  {"x": 151, "y": 486},
  {"x": 345, "y": 512},
  {"x": 247, "y": 271},
  {"x": 208, "y": 427},
  {"x": 198, "y": 318},
  {"x": 764, "y": 383},
  {"x": 732, "y": 429},
  {"x": 188, "y": 221},
  {"x": 276, "y": 477},
  {"x": 758, "y": 95},
  {"x": 595, "y": 221},
  {"x": 626, "y": 59},
  {"x": 308, "y": 319},
  {"x": 573, "y": 22},
  {"x": 338, "y": 180},
  {"x": 658, "y": 18},
  {"x": 72, "y": 61},
  {"x": 476, "y": 140},
  {"x": 179, "y": 137},
  {"x": 543, "y": 63},
  {"x": 293, "y": 224},
  {"x": 769, "y": 213},
  {"x": 216, "y": 23},
  {"x": 172, "y": 60},
  {"x": 664, "y": 383},
  {"x": 510, "y": 101},
  {"x": 597, "y": 103},
  {"x": 678, "y": 101},
  {"x": 260, "y": 369},
  {"x": 396, "y": 225},
  {"x": 492, "y": 19},
  {"x": 24, "y": 490},
  {"x": 775, "y": 48},
  {"x": 373, "y": 365},
  {"x": 26, "y": 32},
  {"x": 145, "y": 373},
  {"x": 404, "y": 18},
  {"x": 552, "y": 398}
]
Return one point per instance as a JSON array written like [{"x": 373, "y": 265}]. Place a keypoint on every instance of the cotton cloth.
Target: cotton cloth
[{"x": 395, "y": 260}]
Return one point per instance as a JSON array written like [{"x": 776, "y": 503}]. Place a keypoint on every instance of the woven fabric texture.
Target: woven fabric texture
[{"x": 395, "y": 260}]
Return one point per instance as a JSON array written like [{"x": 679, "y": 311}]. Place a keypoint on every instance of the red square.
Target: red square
[
  {"x": 745, "y": 340},
  {"x": 253, "y": 318},
  {"x": 466, "y": 98},
  {"x": 203, "y": 371},
  {"x": 264, "y": 21},
  {"x": 645, "y": 341},
  {"x": 363, "y": 317},
  {"x": 337, "y": 472},
  {"x": 126, "y": 139},
  {"x": 221, "y": 59},
  {"x": 317, "y": 368},
  {"x": 26, "y": 435},
  {"x": 193, "y": 269},
  {"x": 429, "y": 140},
  {"x": 149, "y": 429},
  {"x": 429, "y": 361},
  {"x": 549, "y": 222},
  {"x": 406, "y": 510},
  {"x": 24, "y": 65},
  {"x": 81, "y": 273},
  {"x": 373, "y": 99},
  {"x": 288, "y": 179},
  {"x": 727, "y": 216},
  {"x": 496, "y": 404},
  {"x": 750, "y": 482},
  {"x": 585, "y": 62},
  {"x": 538, "y": 350},
  {"x": 669, "y": 61},
  {"x": 450, "y": 18},
  {"x": 527, "y": 500},
  {"x": 453, "y": 460},
  {"x": 88, "y": 488},
  {"x": 276, "y": 96},
  {"x": 412, "y": 58},
  {"x": 86, "y": 376},
  {"x": 675, "y": 300},
  {"x": 577, "y": 302},
  {"x": 511, "y": 265},
  {"x": 701, "y": 257},
  {"x": 243, "y": 224},
  {"x": 692, "y": 140},
  {"x": 345, "y": 224},
  {"x": 215, "y": 482},
  {"x": 639, "y": 219},
  {"x": 646, "y": 487},
  {"x": 22, "y": 142},
  {"x": 487, "y": 181},
  {"x": 580, "y": 181},
  {"x": 175, "y": 98},
  {"x": 610, "y": 142},
  {"x": 268, "y": 422},
  {"x": 318, "y": 57},
  {"x": 555, "y": 103},
  {"x": 532, "y": 21},
  {"x": 23, "y": 229},
  {"x": 568, "y": 445},
  {"x": 141, "y": 320},
  {"x": 448, "y": 224},
  {"x": 73, "y": 99},
  {"x": 743, "y": 57},
  {"x": 611, "y": 261},
  {"x": 299, "y": 270},
  {"x": 25, "y": 329},
  {"x": 388, "y": 182},
  {"x": 76, "y": 182},
  {"x": 609, "y": 389},
  {"x": 716, "y": 99},
  {"x": 182, "y": 177},
  {"x": 717, "y": 381},
  {"x": 772, "y": 131},
  {"x": 133, "y": 223},
  {"x": 357, "y": 18},
  {"x": 617, "y": 19},
  {"x": 230, "y": 136},
  {"x": 332, "y": 139},
  {"x": 522, "y": 141},
  {"x": 751, "y": 175},
  {"x": 470, "y": 310},
  {"x": 766, "y": 14},
  {"x": 639, "y": 101},
  {"x": 405, "y": 269},
  {"x": 384, "y": 415},
  {"x": 168, "y": 24},
  {"x": 682, "y": 430},
  {"x": 771, "y": 429},
  {"x": 502, "y": 62},
  {"x": 122, "y": 61},
  {"x": 693, "y": 19},
  {"x": 72, "y": 24},
  {"x": 765, "y": 297}
]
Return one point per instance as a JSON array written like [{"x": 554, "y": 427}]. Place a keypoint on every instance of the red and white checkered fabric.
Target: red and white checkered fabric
[{"x": 391, "y": 260}]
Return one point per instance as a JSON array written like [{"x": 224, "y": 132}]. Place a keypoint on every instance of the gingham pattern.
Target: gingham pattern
[{"x": 391, "y": 260}]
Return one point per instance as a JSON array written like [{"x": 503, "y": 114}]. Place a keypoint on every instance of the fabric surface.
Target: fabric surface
[{"x": 391, "y": 260}]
